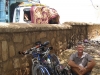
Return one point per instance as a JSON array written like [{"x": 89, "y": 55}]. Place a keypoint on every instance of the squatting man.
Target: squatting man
[{"x": 81, "y": 63}]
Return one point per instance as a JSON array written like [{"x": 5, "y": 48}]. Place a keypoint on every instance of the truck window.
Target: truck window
[
  {"x": 17, "y": 15},
  {"x": 27, "y": 17}
]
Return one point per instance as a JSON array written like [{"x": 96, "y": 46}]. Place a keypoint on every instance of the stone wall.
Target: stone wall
[
  {"x": 16, "y": 37},
  {"x": 94, "y": 31}
]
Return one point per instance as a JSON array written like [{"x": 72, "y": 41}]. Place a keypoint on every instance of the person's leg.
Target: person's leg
[{"x": 75, "y": 71}]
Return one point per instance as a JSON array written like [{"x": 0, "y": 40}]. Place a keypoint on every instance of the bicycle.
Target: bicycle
[
  {"x": 37, "y": 61},
  {"x": 45, "y": 63}
]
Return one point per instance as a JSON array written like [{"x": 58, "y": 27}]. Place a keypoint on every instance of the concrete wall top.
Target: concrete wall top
[
  {"x": 22, "y": 27},
  {"x": 81, "y": 23}
]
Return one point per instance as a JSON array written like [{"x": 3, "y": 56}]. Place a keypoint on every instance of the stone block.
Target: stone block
[
  {"x": 33, "y": 37},
  {"x": 37, "y": 38},
  {"x": 41, "y": 35},
  {"x": 16, "y": 63},
  {"x": 27, "y": 40},
  {"x": 50, "y": 35},
  {"x": 7, "y": 66},
  {"x": 4, "y": 50},
  {"x": 3, "y": 37},
  {"x": 0, "y": 52},
  {"x": 0, "y": 70},
  {"x": 18, "y": 47},
  {"x": 17, "y": 37},
  {"x": 52, "y": 41},
  {"x": 11, "y": 51}
]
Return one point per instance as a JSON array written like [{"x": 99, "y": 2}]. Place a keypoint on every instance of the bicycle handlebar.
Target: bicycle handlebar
[
  {"x": 45, "y": 43},
  {"x": 37, "y": 48}
]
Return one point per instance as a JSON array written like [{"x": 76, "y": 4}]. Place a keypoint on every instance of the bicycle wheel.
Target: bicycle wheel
[
  {"x": 56, "y": 72},
  {"x": 54, "y": 60},
  {"x": 40, "y": 70},
  {"x": 36, "y": 70},
  {"x": 46, "y": 71},
  {"x": 65, "y": 72}
]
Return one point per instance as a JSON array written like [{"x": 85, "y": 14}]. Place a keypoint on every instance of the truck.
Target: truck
[{"x": 35, "y": 12}]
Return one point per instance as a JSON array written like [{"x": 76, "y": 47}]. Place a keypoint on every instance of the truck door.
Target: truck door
[{"x": 16, "y": 17}]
